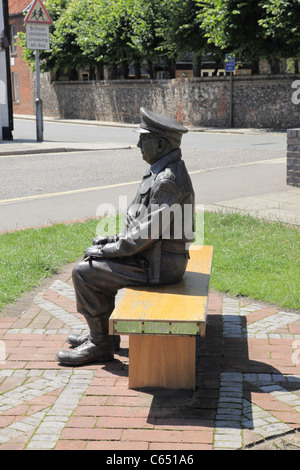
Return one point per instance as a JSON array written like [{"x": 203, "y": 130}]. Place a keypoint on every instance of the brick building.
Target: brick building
[{"x": 23, "y": 102}]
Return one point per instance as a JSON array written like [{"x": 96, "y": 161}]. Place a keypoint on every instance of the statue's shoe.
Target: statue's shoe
[
  {"x": 87, "y": 353},
  {"x": 77, "y": 340}
]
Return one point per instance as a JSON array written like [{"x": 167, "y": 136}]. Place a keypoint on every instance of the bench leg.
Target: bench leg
[{"x": 162, "y": 361}]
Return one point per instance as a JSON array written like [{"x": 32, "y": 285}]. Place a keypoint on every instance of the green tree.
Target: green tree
[
  {"x": 118, "y": 32},
  {"x": 181, "y": 31},
  {"x": 91, "y": 32},
  {"x": 244, "y": 28},
  {"x": 281, "y": 25},
  {"x": 145, "y": 38},
  {"x": 64, "y": 52}
]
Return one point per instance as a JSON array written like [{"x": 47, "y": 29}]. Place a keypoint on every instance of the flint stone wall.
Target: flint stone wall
[
  {"x": 258, "y": 101},
  {"x": 293, "y": 157}
]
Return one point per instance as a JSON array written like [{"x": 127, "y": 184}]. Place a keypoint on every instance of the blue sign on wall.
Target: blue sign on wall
[{"x": 229, "y": 63}]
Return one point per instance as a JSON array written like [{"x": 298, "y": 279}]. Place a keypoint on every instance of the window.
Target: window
[
  {"x": 15, "y": 80},
  {"x": 13, "y": 40}
]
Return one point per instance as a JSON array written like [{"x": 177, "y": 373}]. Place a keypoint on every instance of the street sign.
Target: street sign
[
  {"x": 37, "y": 26},
  {"x": 37, "y": 14},
  {"x": 37, "y": 22},
  {"x": 37, "y": 37},
  {"x": 229, "y": 63}
]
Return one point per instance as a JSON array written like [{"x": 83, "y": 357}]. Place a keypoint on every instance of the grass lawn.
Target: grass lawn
[
  {"x": 255, "y": 258},
  {"x": 252, "y": 258}
]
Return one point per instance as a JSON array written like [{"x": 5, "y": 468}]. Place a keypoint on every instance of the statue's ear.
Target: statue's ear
[{"x": 161, "y": 144}]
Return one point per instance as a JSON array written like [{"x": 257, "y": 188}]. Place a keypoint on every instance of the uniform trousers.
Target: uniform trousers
[{"x": 97, "y": 281}]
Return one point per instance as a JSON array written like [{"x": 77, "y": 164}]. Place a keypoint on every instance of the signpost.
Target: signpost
[
  {"x": 37, "y": 23},
  {"x": 229, "y": 63},
  {"x": 230, "y": 67}
]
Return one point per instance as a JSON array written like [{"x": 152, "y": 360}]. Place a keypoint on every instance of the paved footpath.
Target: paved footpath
[{"x": 248, "y": 383}]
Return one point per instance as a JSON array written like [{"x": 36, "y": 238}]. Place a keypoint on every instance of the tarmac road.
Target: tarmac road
[
  {"x": 247, "y": 394},
  {"x": 43, "y": 188}
]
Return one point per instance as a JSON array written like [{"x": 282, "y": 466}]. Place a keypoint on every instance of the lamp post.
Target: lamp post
[{"x": 230, "y": 67}]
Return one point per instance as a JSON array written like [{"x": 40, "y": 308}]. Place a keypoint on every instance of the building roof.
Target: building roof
[{"x": 17, "y": 6}]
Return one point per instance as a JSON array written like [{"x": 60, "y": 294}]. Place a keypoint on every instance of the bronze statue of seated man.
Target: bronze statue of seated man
[{"x": 152, "y": 248}]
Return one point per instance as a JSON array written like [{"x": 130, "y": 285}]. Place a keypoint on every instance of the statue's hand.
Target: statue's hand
[
  {"x": 100, "y": 240},
  {"x": 103, "y": 240},
  {"x": 93, "y": 252}
]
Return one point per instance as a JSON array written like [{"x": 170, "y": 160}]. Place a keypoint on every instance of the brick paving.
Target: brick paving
[{"x": 248, "y": 383}]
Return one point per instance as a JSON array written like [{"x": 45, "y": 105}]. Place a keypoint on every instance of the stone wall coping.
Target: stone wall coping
[{"x": 143, "y": 81}]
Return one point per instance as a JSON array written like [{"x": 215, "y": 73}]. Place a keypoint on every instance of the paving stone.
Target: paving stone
[{"x": 227, "y": 422}]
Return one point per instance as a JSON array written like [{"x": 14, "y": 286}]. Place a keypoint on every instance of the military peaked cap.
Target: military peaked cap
[{"x": 160, "y": 124}]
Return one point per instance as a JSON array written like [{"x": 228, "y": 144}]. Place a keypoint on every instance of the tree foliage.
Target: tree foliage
[
  {"x": 105, "y": 32},
  {"x": 281, "y": 25},
  {"x": 254, "y": 29}
]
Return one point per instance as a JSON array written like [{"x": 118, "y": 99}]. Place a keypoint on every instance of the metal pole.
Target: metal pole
[
  {"x": 231, "y": 99},
  {"x": 38, "y": 101}
]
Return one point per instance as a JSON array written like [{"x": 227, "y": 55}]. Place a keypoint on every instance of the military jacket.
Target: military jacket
[{"x": 161, "y": 216}]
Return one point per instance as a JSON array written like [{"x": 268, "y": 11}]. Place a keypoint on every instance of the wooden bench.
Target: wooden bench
[{"x": 162, "y": 323}]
